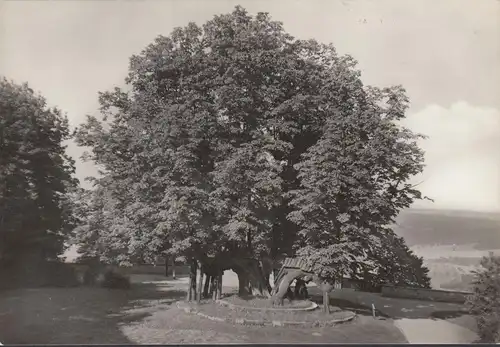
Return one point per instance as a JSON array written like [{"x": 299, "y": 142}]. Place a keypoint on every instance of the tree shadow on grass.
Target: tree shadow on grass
[
  {"x": 155, "y": 291},
  {"x": 82, "y": 315}
]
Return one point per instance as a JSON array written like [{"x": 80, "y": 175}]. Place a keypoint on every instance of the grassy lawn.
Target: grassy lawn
[
  {"x": 75, "y": 315},
  {"x": 145, "y": 314}
]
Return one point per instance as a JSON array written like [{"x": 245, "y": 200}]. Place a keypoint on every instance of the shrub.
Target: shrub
[
  {"x": 115, "y": 280},
  {"x": 484, "y": 303}
]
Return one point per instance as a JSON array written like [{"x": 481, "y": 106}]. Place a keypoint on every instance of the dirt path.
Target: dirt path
[{"x": 434, "y": 331}]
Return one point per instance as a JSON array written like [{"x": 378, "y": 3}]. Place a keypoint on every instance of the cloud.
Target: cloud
[{"x": 462, "y": 156}]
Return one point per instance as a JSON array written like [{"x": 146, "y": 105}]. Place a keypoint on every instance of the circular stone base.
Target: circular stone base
[
  {"x": 220, "y": 316},
  {"x": 310, "y": 306}
]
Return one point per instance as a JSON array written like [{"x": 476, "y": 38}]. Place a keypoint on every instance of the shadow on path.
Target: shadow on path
[{"x": 82, "y": 315}]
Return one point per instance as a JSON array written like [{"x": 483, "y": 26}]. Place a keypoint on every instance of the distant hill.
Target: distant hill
[
  {"x": 452, "y": 243},
  {"x": 441, "y": 227}
]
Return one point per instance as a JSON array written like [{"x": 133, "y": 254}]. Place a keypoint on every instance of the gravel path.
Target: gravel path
[{"x": 434, "y": 331}]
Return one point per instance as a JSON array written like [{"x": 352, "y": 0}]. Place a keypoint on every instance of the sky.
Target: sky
[{"x": 445, "y": 53}]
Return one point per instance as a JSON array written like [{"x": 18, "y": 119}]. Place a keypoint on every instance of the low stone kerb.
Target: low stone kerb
[{"x": 275, "y": 323}]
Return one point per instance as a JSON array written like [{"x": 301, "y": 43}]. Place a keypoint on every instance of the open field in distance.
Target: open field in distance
[{"x": 452, "y": 243}]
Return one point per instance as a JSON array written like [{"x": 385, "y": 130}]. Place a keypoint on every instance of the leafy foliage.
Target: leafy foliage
[
  {"x": 484, "y": 304},
  {"x": 36, "y": 181},
  {"x": 397, "y": 265},
  {"x": 236, "y": 137}
]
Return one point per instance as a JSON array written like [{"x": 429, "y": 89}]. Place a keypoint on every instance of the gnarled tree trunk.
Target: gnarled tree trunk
[
  {"x": 244, "y": 288},
  {"x": 282, "y": 287},
  {"x": 251, "y": 280}
]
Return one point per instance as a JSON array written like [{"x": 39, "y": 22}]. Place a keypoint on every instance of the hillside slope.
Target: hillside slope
[
  {"x": 438, "y": 227},
  {"x": 451, "y": 242}
]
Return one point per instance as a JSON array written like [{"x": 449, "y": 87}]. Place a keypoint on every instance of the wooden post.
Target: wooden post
[
  {"x": 219, "y": 286},
  {"x": 326, "y": 302}
]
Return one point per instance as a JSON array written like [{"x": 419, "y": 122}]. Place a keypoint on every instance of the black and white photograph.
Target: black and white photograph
[{"x": 249, "y": 172}]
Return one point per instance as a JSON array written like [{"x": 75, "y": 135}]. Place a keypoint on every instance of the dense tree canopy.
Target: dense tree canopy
[
  {"x": 36, "y": 181},
  {"x": 484, "y": 303},
  {"x": 237, "y": 139}
]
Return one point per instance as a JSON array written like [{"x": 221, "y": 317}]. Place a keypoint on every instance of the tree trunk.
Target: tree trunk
[
  {"x": 266, "y": 266},
  {"x": 213, "y": 288},
  {"x": 219, "y": 286},
  {"x": 213, "y": 284},
  {"x": 277, "y": 279},
  {"x": 206, "y": 288},
  {"x": 275, "y": 276},
  {"x": 251, "y": 279},
  {"x": 251, "y": 283},
  {"x": 268, "y": 283},
  {"x": 243, "y": 284},
  {"x": 192, "y": 280},
  {"x": 191, "y": 295},
  {"x": 300, "y": 289},
  {"x": 199, "y": 287},
  {"x": 282, "y": 287},
  {"x": 173, "y": 268},
  {"x": 166, "y": 266}
]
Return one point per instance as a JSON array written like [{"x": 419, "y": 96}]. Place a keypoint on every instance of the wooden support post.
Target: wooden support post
[
  {"x": 326, "y": 302},
  {"x": 214, "y": 288},
  {"x": 219, "y": 286}
]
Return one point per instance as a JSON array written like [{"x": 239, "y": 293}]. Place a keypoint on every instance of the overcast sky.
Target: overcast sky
[{"x": 446, "y": 54}]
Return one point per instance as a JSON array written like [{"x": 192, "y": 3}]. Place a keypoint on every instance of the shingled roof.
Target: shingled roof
[{"x": 298, "y": 263}]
